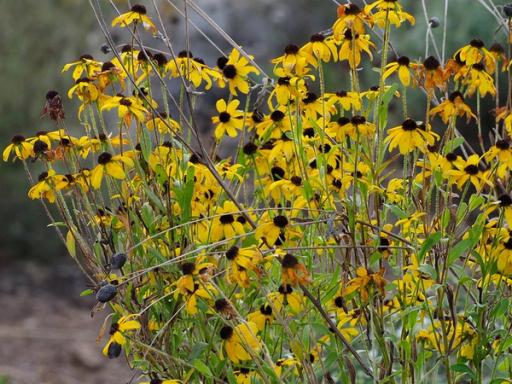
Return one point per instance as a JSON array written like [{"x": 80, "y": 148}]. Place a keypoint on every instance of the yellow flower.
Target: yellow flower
[
  {"x": 241, "y": 261},
  {"x": 350, "y": 16},
  {"x": 112, "y": 166},
  {"x": 477, "y": 79},
  {"x": 236, "y": 70},
  {"x": 320, "y": 48},
  {"x": 285, "y": 295},
  {"x": 127, "y": 107},
  {"x": 352, "y": 45},
  {"x": 137, "y": 14},
  {"x": 241, "y": 342},
  {"x": 85, "y": 90},
  {"x": 21, "y": 148},
  {"x": 229, "y": 119},
  {"x": 291, "y": 59},
  {"x": 452, "y": 107},
  {"x": 162, "y": 381},
  {"x": 45, "y": 187},
  {"x": 192, "y": 69},
  {"x": 261, "y": 317},
  {"x": 276, "y": 231},
  {"x": 389, "y": 10},
  {"x": 347, "y": 100},
  {"x": 364, "y": 281},
  {"x": 410, "y": 136},
  {"x": 85, "y": 63},
  {"x": 468, "y": 170},
  {"x": 474, "y": 52},
  {"x": 432, "y": 74},
  {"x": 163, "y": 123},
  {"x": 293, "y": 272},
  {"x": 117, "y": 338},
  {"x": 404, "y": 67}
]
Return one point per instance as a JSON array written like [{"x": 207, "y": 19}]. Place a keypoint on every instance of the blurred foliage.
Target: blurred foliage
[{"x": 40, "y": 36}]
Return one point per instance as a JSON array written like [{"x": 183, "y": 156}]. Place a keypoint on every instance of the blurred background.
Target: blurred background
[{"x": 46, "y": 333}]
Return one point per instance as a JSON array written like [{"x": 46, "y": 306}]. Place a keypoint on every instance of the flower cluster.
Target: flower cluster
[{"x": 328, "y": 231}]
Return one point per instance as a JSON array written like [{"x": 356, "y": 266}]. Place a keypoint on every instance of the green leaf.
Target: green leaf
[
  {"x": 383, "y": 107},
  {"x": 202, "y": 367},
  {"x": 463, "y": 368},
  {"x": 145, "y": 144},
  {"x": 87, "y": 292},
  {"x": 431, "y": 241},
  {"x": 71, "y": 244},
  {"x": 458, "y": 250}
]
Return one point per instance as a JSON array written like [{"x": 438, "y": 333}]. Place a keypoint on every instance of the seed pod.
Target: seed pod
[
  {"x": 507, "y": 10},
  {"x": 105, "y": 48},
  {"x": 434, "y": 22},
  {"x": 114, "y": 350},
  {"x": 106, "y": 293},
  {"x": 118, "y": 260}
]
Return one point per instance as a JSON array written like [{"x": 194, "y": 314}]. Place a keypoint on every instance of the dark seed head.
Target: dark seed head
[
  {"x": 114, "y": 350},
  {"x": 471, "y": 170},
  {"x": 308, "y": 132},
  {"x": 221, "y": 305},
  {"x": 431, "y": 63},
  {"x": 451, "y": 157},
  {"x": 285, "y": 289},
  {"x": 505, "y": 200},
  {"x": 160, "y": 59},
  {"x": 503, "y": 145},
  {"x": 277, "y": 116},
  {"x": 479, "y": 67},
  {"x": 338, "y": 301},
  {"x": 497, "y": 48},
  {"x": 126, "y": 102},
  {"x": 383, "y": 244},
  {"x": 455, "y": 95},
  {"x": 224, "y": 117},
  {"x": 257, "y": 116},
  {"x": 118, "y": 260},
  {"x": 283, "y": 80},
  {"x": 227, "y": 219},
  {"x": 317, "y": 37},
  {"x": 229, "y": 71},
  {"x": 280, "y": 221},
  {"x": 277, "y": 173},
  {"x": 226, "y": 332},
  {"x": 409, "y": 125},
  {"x": 508, "y": 244},
  {"x": 221, "y": 62},
  {"x": 40, "y": 147},
  {"x": 42, "y": 176},
  {"x": 296, "y": 180},
  {"x": 250, "y": 148},
  {"x": 188, "y": 268},
  {"x": 107, "y": 66},
  {"x": 156, "y": 381},
  {"x": 356, "y": 120},
  {"x": 104, "y": 158},
  {"x": 403, "y": 60},
  {"x": 17, "y": 139},
  {"x": 232, "y": 252},
  {"x": 507, "y": 10},
  {"x": 86, "y": 56},
  {"x": 106, "y": 293},
  {"x": 139, "y": 9},
  {"x": 341, "y": 93},
  {"x": 477, "y": 43},
  {"x": 310, "y": 98},
  {"x": 291, "y": 49},
  {"x": 105, "y": 48},
  {"x": 343, "y": 121},
  {"x": 51, "y": 94},
  {"x": 266, "y": 310},
  {"x": 434, "y": 22},
  {"x": 185, "y": 53},
  {"x": 289, "y": 261}
]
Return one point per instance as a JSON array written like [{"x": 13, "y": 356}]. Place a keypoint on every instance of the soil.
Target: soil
[{"x": 47, "y": 335}]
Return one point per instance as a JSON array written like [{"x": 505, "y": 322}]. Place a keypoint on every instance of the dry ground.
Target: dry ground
[{"x": 46, "y": 333}]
